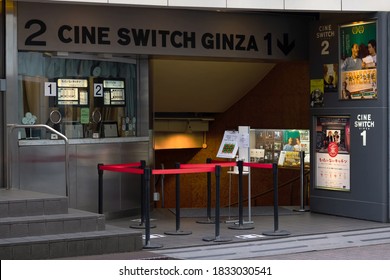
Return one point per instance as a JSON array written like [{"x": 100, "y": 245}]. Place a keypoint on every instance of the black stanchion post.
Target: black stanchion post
[
  {"x": 217, "y": 237},
  {"x": 217, "y": 199},
  {"x": 178, "y": 230},
  {"x": 100, "y": 190},
  {"x": 209, "y": 220},
  {"x": 141, "y": 224},
  {"x": 240, "y": 225},
  {"x": 276, "y": 231},
  {"x": 162, "y": 188},
  {"x": 143, "y": 196},
  {"x": 148, "y": 245},
  {"x": 177, "y": 198},
  {"x": 302, "y": 182},
  {"x": 147, "y": 223}
]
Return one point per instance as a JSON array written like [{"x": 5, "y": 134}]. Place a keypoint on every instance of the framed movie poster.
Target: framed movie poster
[
  {"x": 333, "y": 153},
  {"x": 316, "y": 93},
  {"x": 358, "y": 60},
  {"x": 331, "y": 77}
]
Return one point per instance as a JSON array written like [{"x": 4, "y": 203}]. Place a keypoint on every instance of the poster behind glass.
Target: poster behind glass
[
  {"x": 72, "y": 91},
  {"x": 333, "y": 153},
  {"x": 358, "y": 61},
  {"x": 281, "y": 146},
  {"x": 114, "y": 92}
]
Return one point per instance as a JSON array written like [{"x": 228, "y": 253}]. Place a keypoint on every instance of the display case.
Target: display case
[{"x": 281, "y": 146}]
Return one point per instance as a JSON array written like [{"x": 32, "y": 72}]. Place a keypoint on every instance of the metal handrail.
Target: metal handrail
[{"x": 13, "y": 126}]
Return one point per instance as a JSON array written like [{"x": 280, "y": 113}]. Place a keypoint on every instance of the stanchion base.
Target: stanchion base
[
  {"x": 216, "y": 239},
  {"x": 276, "y": 233},
  {"x": 208, "y": 221},
  {"x": 301, "y": 210},
  {"x": 141, "y": 226},
  {"x": 245, "y": 222},
  {"x": 152, "y": 246},
  {"x": 229, "y": 221},
  {"x": 178, "y": 232},
  {"x": 139, "y": 220},
  {"x": 241, "y": 227}
]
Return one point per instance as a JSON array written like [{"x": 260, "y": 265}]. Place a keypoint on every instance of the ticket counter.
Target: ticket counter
[{"x": 41, "y": 168}]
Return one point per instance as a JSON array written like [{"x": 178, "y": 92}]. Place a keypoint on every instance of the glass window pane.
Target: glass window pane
[{"x": 82, "y": 94}]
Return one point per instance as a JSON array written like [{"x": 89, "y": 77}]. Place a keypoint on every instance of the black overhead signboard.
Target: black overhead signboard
[{"x": 126, "y": 30}]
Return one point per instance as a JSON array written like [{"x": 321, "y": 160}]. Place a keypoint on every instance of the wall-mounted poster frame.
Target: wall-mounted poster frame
[
  {"x": 358, "y": 61},
  {"x": 332, "y": 153},
  {"x": 72, "y": 91}
]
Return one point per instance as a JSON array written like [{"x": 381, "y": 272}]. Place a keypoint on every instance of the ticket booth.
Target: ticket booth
[
  {"x": 93, "y": 103},
  {"x": 99, "y": 101}
]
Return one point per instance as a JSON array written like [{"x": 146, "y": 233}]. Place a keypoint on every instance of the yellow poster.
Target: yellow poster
[{"x": 317, "y": 92}]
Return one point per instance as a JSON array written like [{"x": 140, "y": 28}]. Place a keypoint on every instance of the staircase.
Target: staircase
[{"x": 41, "y": 226}]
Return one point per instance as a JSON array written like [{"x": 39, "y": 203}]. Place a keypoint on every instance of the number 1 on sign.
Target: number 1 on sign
[
  {"x": 50, "y": 89},
  {"x": 364, "y": 135}
]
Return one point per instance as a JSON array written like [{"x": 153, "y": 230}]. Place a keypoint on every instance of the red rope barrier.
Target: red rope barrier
[
  {"x": 121, "y": 165},
  {"x": 184, "y": 168},
  {"x": 122, "y": 169},
  {"x": 135, "y": 171}
]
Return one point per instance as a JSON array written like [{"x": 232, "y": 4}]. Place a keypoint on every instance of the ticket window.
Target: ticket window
[{"x": 81, "y": 98}]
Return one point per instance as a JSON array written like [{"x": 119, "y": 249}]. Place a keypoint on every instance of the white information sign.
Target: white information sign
[
  {"x": 229, "y": 145},
  {"x": 243, "y": 140}
]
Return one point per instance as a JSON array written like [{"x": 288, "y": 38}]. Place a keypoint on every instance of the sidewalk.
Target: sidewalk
[
  {"x": 309, "y": 236},
  {"x": 372, "y": 252}
]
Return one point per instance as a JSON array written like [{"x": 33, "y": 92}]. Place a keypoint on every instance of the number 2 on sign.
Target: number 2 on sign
[
  {"x": 364, "y": 135},
  {"x": 98, "y": 90},
  {"x": 325, "y": 48}
]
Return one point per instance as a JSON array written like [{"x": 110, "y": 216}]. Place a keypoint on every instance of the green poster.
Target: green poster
[
  {"x": 84, "y": 118},
  {"x": 357, "y": 33}
]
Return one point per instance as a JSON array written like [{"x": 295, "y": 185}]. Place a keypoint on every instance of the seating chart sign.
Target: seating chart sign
[
  {"x": 109, "y": 92},
  {"x": 72, "y": 92},
  {"x": 114, "y": 92}
]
